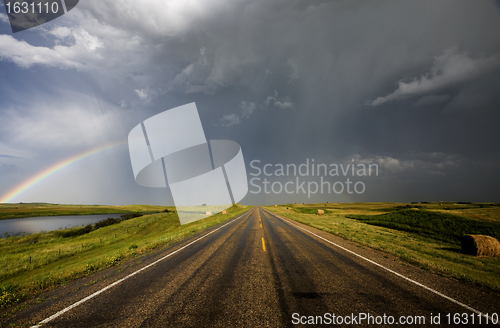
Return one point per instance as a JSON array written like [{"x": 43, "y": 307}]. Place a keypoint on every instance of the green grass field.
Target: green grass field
[
  {"x": 427, "y": 235},
  {"x": 33, "y": 263},
  {"x": 24, "y": 210},
  {"x": 433, "y": 225}
]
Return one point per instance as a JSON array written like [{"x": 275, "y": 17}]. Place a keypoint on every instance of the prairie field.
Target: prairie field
[
  {"x": 24, "y": 210},
  {"x": 33, "y": 263},
  {"x": 424, "y": 234}
]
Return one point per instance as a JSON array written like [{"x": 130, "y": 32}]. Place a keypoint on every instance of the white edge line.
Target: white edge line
[
  {"x": 52, "y": 317},
  {"x": 387, "y": 269}
]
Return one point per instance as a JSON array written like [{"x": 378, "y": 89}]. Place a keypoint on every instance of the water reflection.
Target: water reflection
[{"x": 48, "y": 223}]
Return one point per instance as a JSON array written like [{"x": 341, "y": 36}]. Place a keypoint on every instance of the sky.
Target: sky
[{"x": 411, "y": 87}]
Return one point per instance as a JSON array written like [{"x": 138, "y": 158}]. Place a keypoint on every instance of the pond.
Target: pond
[{"x": 48, "y": 223}]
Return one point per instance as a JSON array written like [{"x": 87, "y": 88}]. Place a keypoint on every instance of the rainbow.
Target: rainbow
[{"x": 42, "y": 175}]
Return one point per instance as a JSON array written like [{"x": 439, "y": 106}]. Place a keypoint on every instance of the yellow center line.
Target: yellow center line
[{"x": 263, "y": 244}]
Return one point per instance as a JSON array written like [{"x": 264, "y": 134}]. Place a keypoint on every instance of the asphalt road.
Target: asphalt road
[{"x": 259, "y": 271}]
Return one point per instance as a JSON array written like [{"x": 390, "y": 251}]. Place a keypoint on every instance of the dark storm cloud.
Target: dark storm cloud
[
  {"x": 409, "y": 85},
  {"x": 449, "y": 69}
]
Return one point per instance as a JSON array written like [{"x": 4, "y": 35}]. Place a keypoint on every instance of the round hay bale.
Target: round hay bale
[
  {"x": 480, "y": 245},
  {"x": 321, "y": 212}
]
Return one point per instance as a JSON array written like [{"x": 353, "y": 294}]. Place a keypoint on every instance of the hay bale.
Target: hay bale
[
  {"x": 321, "y": 212},
  {"x": 208, "y": 213},
  {"x": 224, "y": 212},
  {"x": 480, "y": 245}
]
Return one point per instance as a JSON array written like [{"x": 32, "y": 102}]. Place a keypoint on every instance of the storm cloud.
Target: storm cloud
[{"x": 411, "y": 86}]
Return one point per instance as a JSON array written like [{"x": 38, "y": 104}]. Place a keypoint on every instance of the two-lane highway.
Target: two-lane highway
[{"x": 258, "y": 270}]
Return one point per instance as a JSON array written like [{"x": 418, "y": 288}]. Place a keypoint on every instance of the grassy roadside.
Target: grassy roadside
[
  {"x": 24, "y": 210},
  {"x": 34, "y": 263},
  {"x": 395, "y": 231}
]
